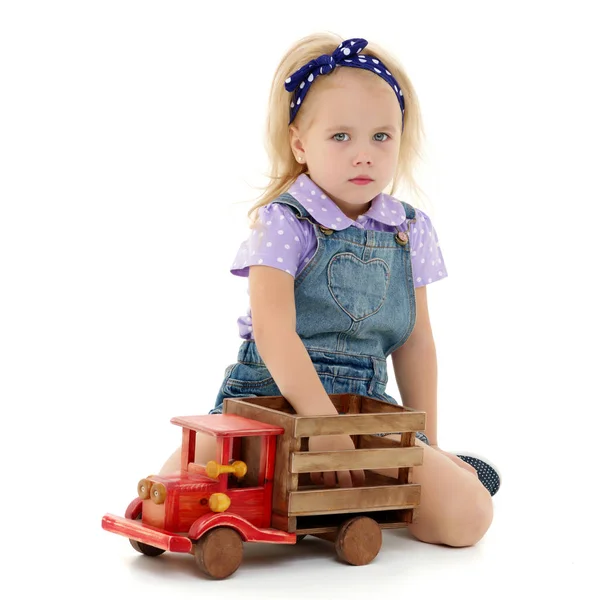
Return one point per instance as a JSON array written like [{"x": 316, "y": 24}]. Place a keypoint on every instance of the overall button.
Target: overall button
[
  {"x": 402, "y": 238},
  {"x": 326, "y": 230}
]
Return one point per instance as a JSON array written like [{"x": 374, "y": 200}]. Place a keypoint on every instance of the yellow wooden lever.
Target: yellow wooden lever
[{"x": 238, "y": 468}]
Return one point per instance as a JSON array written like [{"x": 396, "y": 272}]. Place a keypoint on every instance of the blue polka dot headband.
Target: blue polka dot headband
[{"x": 347, "y": 54}]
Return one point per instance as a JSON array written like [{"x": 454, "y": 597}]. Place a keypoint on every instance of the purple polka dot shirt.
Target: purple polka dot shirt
[{"x": 282, "y": 241}]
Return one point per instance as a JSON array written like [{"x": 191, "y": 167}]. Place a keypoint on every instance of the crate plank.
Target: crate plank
[
  {"x": 358, "y": 424},
  {"x": 379, "y": 458},
  {"x": 345, "y": 500}
]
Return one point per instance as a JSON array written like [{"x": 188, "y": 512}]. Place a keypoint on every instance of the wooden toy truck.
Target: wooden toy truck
[{"x": 258, "y": 488}]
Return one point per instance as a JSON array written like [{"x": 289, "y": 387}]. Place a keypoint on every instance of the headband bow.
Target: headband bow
[{"x": 347, "y": 54}]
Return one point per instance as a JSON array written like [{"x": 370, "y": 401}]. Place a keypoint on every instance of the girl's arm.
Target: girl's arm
[
  {"x": 415, "y": 368},
  {"x": 273, "y": 309}
]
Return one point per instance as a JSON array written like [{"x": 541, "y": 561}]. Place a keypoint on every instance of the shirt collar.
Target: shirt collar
[{"x": 384, "y": 208}]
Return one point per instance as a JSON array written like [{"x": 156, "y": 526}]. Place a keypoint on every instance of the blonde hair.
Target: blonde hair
[{"x": 284, "y": 168}]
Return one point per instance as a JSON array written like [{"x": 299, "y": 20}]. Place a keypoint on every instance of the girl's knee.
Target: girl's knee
[
  {"x": 470, "y": 518},
  {"x": 456, "y": 509},
  {"x": 172, "y": 464}
]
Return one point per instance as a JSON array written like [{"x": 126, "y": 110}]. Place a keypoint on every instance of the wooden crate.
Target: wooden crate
[{"x": 299, "y": 505}]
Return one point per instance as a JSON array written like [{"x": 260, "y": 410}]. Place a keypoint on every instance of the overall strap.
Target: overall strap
[
  {"x": 288, "y": 199},
  {"x": 409, "y": 210}
]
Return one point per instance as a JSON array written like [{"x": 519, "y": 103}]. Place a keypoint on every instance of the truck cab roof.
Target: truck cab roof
[{"x": 228, "y": 425}]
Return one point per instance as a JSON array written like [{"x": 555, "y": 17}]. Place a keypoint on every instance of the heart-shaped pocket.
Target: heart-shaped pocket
[{"x": 359, "y": 287}]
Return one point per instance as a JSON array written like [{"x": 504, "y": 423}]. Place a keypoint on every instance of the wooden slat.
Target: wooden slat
[
  {"x": 372, "y": 479},
  {"x": 358, "y": 424},
  {"x": 353, "y": 404},
  {"x": 274, "y": 402},
  {"x": 346, "y": 403},
  {"x": 353, "y": 407},
  {"x": 408, "y": 440},
  {"x": 346, "y": 500},
  {"x": 405, "y": 440},
  {"x": 312, "y": 531},
  {"x": 308, "y": 462}
]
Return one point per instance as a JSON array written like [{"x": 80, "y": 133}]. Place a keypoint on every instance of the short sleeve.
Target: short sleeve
[
  {"x": 276, "y": 240},
  {"x": 427, "y": 260}
]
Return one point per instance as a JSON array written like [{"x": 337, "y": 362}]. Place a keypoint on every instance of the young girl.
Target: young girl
[{"x": 338, "y": 270}]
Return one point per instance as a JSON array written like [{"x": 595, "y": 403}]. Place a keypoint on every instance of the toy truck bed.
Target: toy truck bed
[{"x": 304, "y": 508}]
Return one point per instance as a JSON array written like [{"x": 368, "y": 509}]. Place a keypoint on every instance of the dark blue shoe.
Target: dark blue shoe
[{"x": 488, "y": 474}]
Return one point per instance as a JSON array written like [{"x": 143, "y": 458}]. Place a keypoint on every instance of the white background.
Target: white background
[{"x": 130, "y": 141}]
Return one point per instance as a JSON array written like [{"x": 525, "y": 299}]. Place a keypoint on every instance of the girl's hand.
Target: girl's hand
[
  {"x": 461, "y": 463},
  {"x": 337, "y": 443}
]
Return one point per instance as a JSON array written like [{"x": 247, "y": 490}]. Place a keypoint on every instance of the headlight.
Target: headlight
[
  {"x": 158, "y": 493},
  {"x": 144, "y": 489}
]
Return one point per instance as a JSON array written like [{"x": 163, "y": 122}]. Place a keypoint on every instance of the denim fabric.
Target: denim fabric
[
  {"x": 355, "y": 304},
  {"x": 356, "y": 294}
]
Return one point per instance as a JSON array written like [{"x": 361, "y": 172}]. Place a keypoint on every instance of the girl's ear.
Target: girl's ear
[{"x": 295, "y": 141}]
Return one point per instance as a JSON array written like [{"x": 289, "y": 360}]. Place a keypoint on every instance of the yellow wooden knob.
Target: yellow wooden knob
[
  {"x": 240, "y": 468},
  {"x": 219, "y": 502}
]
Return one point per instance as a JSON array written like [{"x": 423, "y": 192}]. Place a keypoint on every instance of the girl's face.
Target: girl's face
[{"x": 354, "y": 131}]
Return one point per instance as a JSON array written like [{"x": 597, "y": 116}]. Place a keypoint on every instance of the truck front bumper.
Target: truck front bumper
[{"x": 146, "y": 534}]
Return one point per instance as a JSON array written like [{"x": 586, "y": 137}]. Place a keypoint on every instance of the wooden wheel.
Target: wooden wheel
[
  {"x": 145, "y": 548},
  {"x": 358, "y": 540},
  {"x": 219, "y": 552}
]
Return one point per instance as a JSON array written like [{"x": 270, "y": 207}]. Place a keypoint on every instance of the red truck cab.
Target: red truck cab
[{"x": 234, "y": 491}]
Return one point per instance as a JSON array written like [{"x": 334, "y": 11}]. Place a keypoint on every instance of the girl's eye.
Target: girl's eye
[
  {"x": 336, "y": 138},
  {"x": 379, "y": 139}
]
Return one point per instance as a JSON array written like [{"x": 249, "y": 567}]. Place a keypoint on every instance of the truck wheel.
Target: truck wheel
[
  {"x": 358, "y": 540},
  {"x": 219, "y": 552},
  {"x": 145, "y": 548}
]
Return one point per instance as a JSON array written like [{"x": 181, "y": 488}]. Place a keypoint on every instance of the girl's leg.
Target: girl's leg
[{"x": 455, "y": 508}]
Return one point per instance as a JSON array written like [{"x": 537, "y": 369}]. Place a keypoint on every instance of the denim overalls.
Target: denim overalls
[{"x": 355, "y": 304}]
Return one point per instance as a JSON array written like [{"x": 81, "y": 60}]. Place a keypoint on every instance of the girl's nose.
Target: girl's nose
[{"x": 362, "y": 158}]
